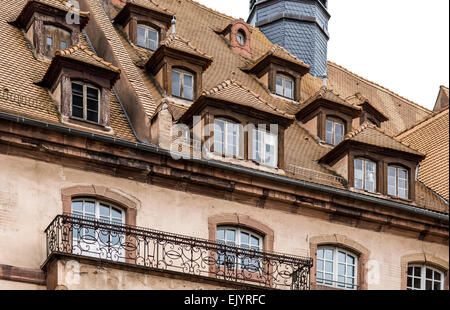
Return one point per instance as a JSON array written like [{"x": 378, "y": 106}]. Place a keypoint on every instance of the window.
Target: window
[
  {"x": 96, "y": 242},
  {"x": 424, "y": 278},
  {"x": 226, "y": 137},
  {"x": 244, "y": 239},
  {"x": 147, "y": 37},
  {"x": 85, "y": 102},
  {"x": 241, "y": 38},
  {"x": 334, "y": 131},
  {"x": 336, "y": 267},
  {"x": 398, "y": 182},
  {"x": 265, "y": 148},
  {"x": 182, "y": 84},
  {"x": 365, "y": 175},
  {"x": 285, "y": 86},
  {"x": 55, "y": 38}
]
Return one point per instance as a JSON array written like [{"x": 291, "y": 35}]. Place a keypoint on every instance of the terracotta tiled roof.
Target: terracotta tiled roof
[
  {"x": 372, "y": 135},
  {"x": 432, "y": 137},
  {"x": 443, "y": 99},
  {"x": 20, "y": 95},
  {"x": 402, "y": 113},
  {"x": 235, "y": 91},
  {"x": 279, "y": 52},
  {"x": 329, "y": 95},
  {"x": 176, "y": 42},
  {"x": 82, "y": 53},
  {"x": 152, "y": 5}
]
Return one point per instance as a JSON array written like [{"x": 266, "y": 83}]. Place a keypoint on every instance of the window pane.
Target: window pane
[
  {"x": 92, "y": 116},
  {"x": 219, "y": 129},
  {"x": 141, "y": 36},
  {"x": 429, "y": 285},
  {"x": 245, "y": 238},
  {"x": 370, "y": 176},
  {"x": 152, "y": 39},
  {"x": 409, "y": 282},
  {"x": 92, "y": 93},
  {"x": 89, "y": 207},
  {"x": 116, "y": 214},
  {"x": 417, "y": 272},
  {"x": 77, "y": 206},
  {"x": 231, "y": 235},
  {"x": 176, "y": 83},
  {"x": 270, "y": 142},
  {"x": 63, "y": 45},
  {"x": 77, "y": 89},
  {"x": 329, "y": 254},
  {"x": 417, "y": 283},
  {"x": 350, "y": 260},
  {"x": 359, "y": 174},
  {"x": 77, "y": 112},
  {"x": 255, "y": 242},
  {"x": 342, "y": 257},
  {"x": 339, "y": 133},
  {"x": 320, "y": 277},
  {"x": 188, "y": 87},
  {"x": 329, "y": 266},
  {"x": 104, "y": 211},
  {"x": 288, "y": 89},
  {"x": 410, "y": 271},
  {"x": 437, "y": 286},
  {"x": 341, "y": 270},
  {"x": 279, "y": 86},
  {"x": 437, "y": 276},
  {"x": 257, "y": 146},
  {"x": 92, "y": 105},
  {"x": 320, "y": 265},
  {"x": 320, "y": 253},
  {"x": 220, "y": 235},
  {"x": 329, "y": 132}
]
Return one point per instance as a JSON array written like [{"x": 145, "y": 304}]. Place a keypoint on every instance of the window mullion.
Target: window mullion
[{"x": 84, "y": 101}]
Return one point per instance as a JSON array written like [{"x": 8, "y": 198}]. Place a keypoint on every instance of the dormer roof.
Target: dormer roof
[
  {"x": 176, "y": 44},
  {"x": 144, "y": 7},
  {"x": 79, "y": 55},
  {"x": 48, "y": 7},
  {"x": 370, "y": 135},
  {"x": 361, "y": 101},
  {"x": 234, "y": 92},
  {"x": 328, "y": 98},
  {"x": 277, "y": 54}
]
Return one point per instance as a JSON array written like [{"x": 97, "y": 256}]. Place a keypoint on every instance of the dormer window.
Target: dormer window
[
  {"x": 334, "y": 131},
  {"x": 265, "y": 148},
  {"x": 147, "y": 37},
  {"x": 56, "y": 38},
  {"x": 285, "y": 86},
  {"x": 85, "y": 101},
  {"x": 398, "y": 184},
  {"x": 182, "y": 84},
  {"x": 365, "y": 175},
  {"x": 226, "y": 138}
]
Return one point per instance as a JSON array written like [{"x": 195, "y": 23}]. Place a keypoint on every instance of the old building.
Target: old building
[{"x": 159, "y": 144}]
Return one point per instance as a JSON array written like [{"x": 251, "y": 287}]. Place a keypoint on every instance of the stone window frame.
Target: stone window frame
[
  {"x": 345, "y": 243},
  {"x": 426, "y": 259},
  {"x": 243, "y": 222},
  {"x": 243, "y": 49}
]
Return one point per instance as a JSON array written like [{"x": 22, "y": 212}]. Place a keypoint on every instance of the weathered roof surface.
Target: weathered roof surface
[
  {"x": 402, "y": 113},
  {"x": 82, "y": 53},
  {"x": 20, "y": 71},
  {"x": 279, "y": 52},
  {"x": 443, "y": 99},
  {"x": 234, "y": 91},
  {"x": 176, "y": 42},
  {"x": 432, "y": 138},
  {"x": 328, "y": 95},
  {"x": 372, "y": 135},
  {"x": 152, "y": 5}
]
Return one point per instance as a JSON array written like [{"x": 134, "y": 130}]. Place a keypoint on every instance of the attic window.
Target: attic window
[
  {"x": 365, "y": 175},
  {"x": 147, "y": 37},
  {"x": 265, "y": 148},
  {"x": 334, "y": 131},
  {"x": 241, "y": 37},
  {"x": 285, "y": 86},
  {"x": 182, "y": 84},
  {"x": 85, "y": 102},
  {"x": 55, "y": 38}
]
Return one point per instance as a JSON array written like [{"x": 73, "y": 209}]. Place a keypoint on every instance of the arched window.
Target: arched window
[
  {"x": 422, "y": 277},
  {"x": 85, "y": 101},
  {"x": 241, "y": 37},
  {"x": 337, "y": 267},
  {"x": 285, "y": 86},
  {"x": 226, "y": 137},
  {"x": 55, "y": 38},
  {"x": 147, "y": 37},
  {"x": 365, "y": 174},
  {"x": 245, "y": 239},
  {"x": 398, "y": 182},
  {"x": 99, "y": 243},
  {"x": 334, "y": 131},
  {"x": 182, "y": 84}
]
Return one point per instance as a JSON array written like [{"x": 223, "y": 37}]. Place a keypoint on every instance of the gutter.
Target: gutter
[{"x": 147, "y": 147}]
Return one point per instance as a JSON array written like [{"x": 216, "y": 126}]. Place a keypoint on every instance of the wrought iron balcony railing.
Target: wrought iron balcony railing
[{"x": 162, "y": 251}]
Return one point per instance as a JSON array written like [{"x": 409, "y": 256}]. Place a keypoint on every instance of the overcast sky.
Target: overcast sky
[{"x": 402, "y": 45}]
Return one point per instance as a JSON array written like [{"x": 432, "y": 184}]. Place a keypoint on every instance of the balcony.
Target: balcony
[{"x": 181, "y": 255}]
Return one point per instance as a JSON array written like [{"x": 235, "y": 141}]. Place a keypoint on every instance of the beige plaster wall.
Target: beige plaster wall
[
  {"x": 11, "y": 285},
  {"x": 30, "y": 198}
]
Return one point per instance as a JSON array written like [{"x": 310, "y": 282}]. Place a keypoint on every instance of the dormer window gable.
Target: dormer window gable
[
  {"x": 238, "y": 36},
  {"x": 146, "y": 23},
  {"x": 327, "y": 116},
  {"x": 244, "y": 126},
  {"x": 80, "y": 84},
  {"x": 375, "y": 163},
  {"x": 369, "y": 112},
  {"x": 50, "y": 27},
  {"x": 178, "y": 66},
  {"x": 280, "y": 72}
]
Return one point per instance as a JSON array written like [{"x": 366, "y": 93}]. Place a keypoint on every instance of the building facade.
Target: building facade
[{"x": 164, "y": 145}]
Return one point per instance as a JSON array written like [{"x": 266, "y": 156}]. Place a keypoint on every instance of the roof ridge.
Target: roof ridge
[
  {"x": 434, "y": 115},
  {"x": 173, "y": 37},
  {"x": 378, "y": 85},
  {"x": 85, "y": 49},
  {"x": 230, "y": 82},
  {"x": 276, "y": 47}
]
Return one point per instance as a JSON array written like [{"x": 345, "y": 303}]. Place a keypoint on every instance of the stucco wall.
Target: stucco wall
[{"x": 30, "y": 198}]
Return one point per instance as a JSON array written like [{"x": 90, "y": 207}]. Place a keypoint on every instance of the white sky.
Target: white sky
[{"x": 402, "y": 45}]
